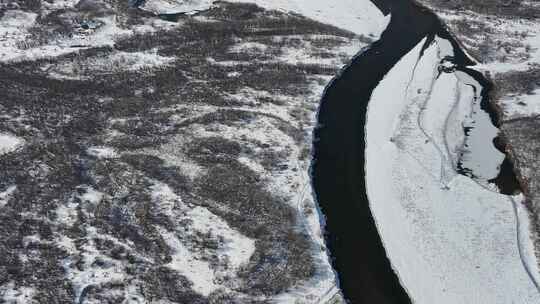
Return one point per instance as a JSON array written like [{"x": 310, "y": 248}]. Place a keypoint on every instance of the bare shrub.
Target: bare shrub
[
  {"x": 269, "y": 275},
  {"x": 507, "y": 8},
  {"x": 214, "y": 149},
  {"x": 517, "y": 82},
  {"x": 164, "y": 283},
  {"x": 32, "y": 5}
]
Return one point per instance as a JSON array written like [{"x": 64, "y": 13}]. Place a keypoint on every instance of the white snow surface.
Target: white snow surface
[
  {"x": 358, "y": 16},
  {"x": 5, "y": 195},
  {"x": 521, "y": 105},
  {"x": 449, "y": 239},
  {"x": 116, "y": 62},
  {"x": 11, "y": 294},
  {"x": 9, "y": 143},
  {"x": 526, "y": 244},
  {"x": 198, "y": 272},
  {"x": 176, "y": 6},
  {"x": 14, "y": 32},
  {"x": 102, "y": 152}
]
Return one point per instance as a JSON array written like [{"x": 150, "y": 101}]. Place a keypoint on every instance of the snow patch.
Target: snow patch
[
  {"x": 13, "y": 294},
  {"x": 522, "y": 105},
  {"x": 96, "y": 268},
  {"x": 116, "y": 62},
  {"x": 5, "y": 195},
  {"x": 248, "y": 47},
  {"x": 103, "y": 36},
  {"x": 234, "y": 250},
  {"x": 525, "y": 241},
  {"x": 91, "y": 196},
  {"x": 184, "y": 262},
  {"x": 176, "y": 6},
  {"x": 59, "y": 4},
  {"x": 67, "y": 214},
  {"x": 9, "y": 143},
  {"x": 102, "y": 152},
  {"x": 360, "y": 17}
]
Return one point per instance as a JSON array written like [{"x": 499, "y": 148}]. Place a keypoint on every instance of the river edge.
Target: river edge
[{"x": 338, "y": 166}]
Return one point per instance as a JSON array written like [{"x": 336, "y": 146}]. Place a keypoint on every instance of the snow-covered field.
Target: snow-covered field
[
  {"x": 361, "y": 17},
  {"x": 152, "y": 108},
  {"x": 175, "y": 6},
  {"x": 449, "y": 239}
]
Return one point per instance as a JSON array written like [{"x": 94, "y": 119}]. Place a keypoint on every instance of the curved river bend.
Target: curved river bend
[{"x": 338, "y": 175}]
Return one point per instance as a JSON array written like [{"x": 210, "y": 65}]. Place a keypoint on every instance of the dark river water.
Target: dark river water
[{"x": 338, "y": 175}]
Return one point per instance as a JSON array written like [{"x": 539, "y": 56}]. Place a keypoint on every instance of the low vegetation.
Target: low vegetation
[
  {"x": 518, "y": 82},
  {"x": 506, "y": 8},
  {"x": 160, "y": 121}
]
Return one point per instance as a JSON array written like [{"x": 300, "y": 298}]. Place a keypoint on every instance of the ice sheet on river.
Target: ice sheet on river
[{"x": 449, "y": 239}]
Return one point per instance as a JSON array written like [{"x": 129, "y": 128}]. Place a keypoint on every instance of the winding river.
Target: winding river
[{"x": 338, "y": 175}]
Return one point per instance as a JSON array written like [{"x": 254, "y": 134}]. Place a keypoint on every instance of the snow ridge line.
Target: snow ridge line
[
  {"x": 421, "y": 127},
  {"x": 418, "y": 121},
  {"x": 447, "y": 121},
  {"x": 526, "y": 265},
  {"x": 445, "y": 128}
]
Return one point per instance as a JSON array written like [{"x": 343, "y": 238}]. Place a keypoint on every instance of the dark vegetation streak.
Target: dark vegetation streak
[{"x": 338, "y": 175}]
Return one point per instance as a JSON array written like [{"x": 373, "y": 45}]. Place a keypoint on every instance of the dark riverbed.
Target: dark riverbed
[{"x": 338, "y": 175}]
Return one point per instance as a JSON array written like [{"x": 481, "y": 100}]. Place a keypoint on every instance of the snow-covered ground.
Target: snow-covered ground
[
  {"x": 501, "y": 45},
  {"x": 449, "y": 239},
  {"x": 4, "y": 196},
  {"x": 176, "y": 6},
  {"x": 117, "y": 62},
  {"x": 277, "y": 131},
  {"x": 518, "y": 104},
  {"x": 17, "y": 42},
  {"x": 361, "y": 17},
  {"x": 464, "y": 238},
  {"x": 14, "y": 45},
  {"x": 9, "y": 143},
  {"x": 521, "y": 105}
]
